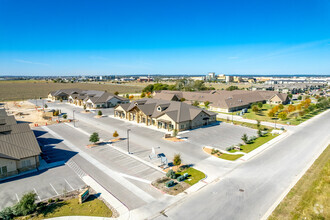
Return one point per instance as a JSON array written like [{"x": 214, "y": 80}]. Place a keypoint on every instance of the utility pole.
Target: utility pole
[{"x": 128, "y": 130}]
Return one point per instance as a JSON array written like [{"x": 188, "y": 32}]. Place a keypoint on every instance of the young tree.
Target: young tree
[
  {"x": 115, "y": 134},
  {"x": 282, "y": 115},
  {"x": 131, "y": 97},
  {"x": 85, "y": 107},
  {"x": 275, "y": 109},
  {"x": 206, "y": 104},
  {"x": 271, "y": 113},
  {"x": 127, "y": 96},
  {"x": 182, "y": 99},
  {"x": 291, "y": 108},
  {"x": 245, "y": 138},
  {"x": 300, "y": 97},
  {"x": 65, "y": 116},
  {"x": 195, "y": 103},
  {"x": 61, "y": 100},
  {"x": 258, "y": 123},
  {"x": 260, "y": 104},
  {"x": 177, "y": 159},
  {"x": 94, "y": 138},
  {"x": 116, "y": 93},
  {"x": 46, "y": 106},
  {"x": 171, "y": 174},
  {"x": 175, "y": 133},
  {"x": 255, "y": 109},
  {"x": 99, "y": 113},
  {"x": 143, "y": 95},
  {"x": 281, "y": 106}
]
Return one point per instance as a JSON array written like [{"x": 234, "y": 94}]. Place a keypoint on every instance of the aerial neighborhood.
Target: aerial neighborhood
[{"x": 164, "y": 110}]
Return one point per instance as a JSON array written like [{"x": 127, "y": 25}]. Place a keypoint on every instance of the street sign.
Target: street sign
[{"x": 83, "y": 195}]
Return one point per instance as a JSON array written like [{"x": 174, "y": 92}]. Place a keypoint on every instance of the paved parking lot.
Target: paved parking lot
[{"x": 46, "y": 184}]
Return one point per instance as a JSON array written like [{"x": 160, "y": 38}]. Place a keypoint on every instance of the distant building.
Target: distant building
[
  {"x": 145, "y": 79},
  {"x": 19, "y": 149},
  {"x": 197, "y": 78},
  {"x": 210, "y": 76},
  {"x": 229, "y": 79}
]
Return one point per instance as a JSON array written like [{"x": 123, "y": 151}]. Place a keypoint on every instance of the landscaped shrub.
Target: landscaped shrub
[
  {"x": 65, "y": 116},
  {"x": 50, "y": 200},
  {"x": 99, "y": 113},
  {"x": 169, "y": 183},
  {"x": 180, "y": 178},
  {"x": 171, "y": 174},
  {"x": 214, "y": 151},
  {"x": 57, "y": 200},
  {"x": 115, "y": 134},
  {"x": 26, "y": 205},
  {"x": 6, "y": 213},
  {"x": 177, "y": 160}
]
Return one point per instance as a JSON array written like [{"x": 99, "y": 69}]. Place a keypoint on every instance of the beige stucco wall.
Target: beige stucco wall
[
  {"x": 34, "y": 162},
  {"x": 10, "y": 164},
  {"x": 275, "y": 100}
]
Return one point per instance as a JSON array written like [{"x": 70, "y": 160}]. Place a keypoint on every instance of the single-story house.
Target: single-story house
[
  {"x": 164, "y": 114},
  {"x": 19, "y": 149},
  {"x": 224, "y": 101}
]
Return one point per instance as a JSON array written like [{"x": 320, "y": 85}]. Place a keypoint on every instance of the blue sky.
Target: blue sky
[{"x": 47, "y": 37}]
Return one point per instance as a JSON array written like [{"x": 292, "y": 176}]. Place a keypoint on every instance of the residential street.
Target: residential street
[{"x": 262, "y": 179}]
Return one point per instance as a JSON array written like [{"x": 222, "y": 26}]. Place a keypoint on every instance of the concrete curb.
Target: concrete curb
[{"x": 265, "y": 146}]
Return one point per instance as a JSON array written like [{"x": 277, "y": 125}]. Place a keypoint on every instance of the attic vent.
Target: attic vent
[
  {"x": 135, "y": 104},
  {"x": 159, "y": 109},
  {"x": 240, "y": 100}
]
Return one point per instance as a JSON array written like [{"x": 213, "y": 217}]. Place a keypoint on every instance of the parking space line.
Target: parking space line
[
  {"x": 37, "y": 194},
  {"x": 53, "y": 188},
  {"x": 68, "y": 184},
  {"x": 17, "y": 197}
]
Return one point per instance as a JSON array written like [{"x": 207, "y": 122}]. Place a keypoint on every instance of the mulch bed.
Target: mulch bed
[{"x": 174, "y": 190}]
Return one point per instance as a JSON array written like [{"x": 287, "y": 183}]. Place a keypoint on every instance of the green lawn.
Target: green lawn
[
  {"x": 246, "y": 124},
  {"x": 258, "y": 142},
  {"x": 230, "y": 156},
  {"x": 91, "y": 207},
  {"x": 310, "y": 197},
  {"x": 194, "y": 175}
]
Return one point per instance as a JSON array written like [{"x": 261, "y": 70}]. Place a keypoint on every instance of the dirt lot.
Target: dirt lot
[
  {"x": 26, "y": 112},
  {"x": 31, "y": 89}
]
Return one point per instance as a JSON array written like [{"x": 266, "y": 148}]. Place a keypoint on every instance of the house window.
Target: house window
[
  {"x": 26, "y": 163},
  {"x": 3, "y": 170}
]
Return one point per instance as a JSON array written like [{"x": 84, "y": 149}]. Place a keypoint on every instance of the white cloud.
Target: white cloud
[{"x": 30, "y": 62}]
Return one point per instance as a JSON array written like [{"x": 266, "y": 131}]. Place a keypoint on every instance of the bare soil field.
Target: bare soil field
[
  {"x": 26, "y": 112},
  {"x": 31, "y": 89}
]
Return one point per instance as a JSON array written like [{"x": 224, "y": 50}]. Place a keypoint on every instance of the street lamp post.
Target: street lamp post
[
  {"x": 74, "y": 122},
  {"x": 128, "y": 130}
]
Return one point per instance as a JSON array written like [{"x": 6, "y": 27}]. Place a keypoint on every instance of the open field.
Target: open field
[
  {"x": 310, "y": 197},
  {"x": 31, "y": 89}
]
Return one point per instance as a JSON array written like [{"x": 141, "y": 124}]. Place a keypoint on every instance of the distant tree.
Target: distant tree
[
  {"x": 116, "y": 93},
  {"x": 94, "y": 138},
  {"x": 143, "y": 95},
  {"x": 300, "y": 97},
  {"x": 182, "y": 99},
  {"x": 271, "y": 113},
  {"x": 127, "y": 96},
  {"x": 275, "y": 109},
  {"x": 290, "y": 96},
  {"x": 231, "y": 88},
  {"x": 280, "y": 106},
  {"x": 177, "y": 159},
  {"x": 282, "y": 115},
  {"x": 255, "y": 109},
  {"x": 115, "y": 134},
  {"x": 299, "y": 107},
  {"x": 99, "y": 113},
  {"x": 65, "y": 116},
  {"x": 195, "y": 103},
  {"x": 260, "y": 104},
  {"x": 206, "y": 104},
  {"x": 131, "y": 97},
  {"x": 245, "y": 138}
]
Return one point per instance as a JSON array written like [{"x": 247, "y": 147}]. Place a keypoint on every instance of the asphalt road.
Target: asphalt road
[{"x": 249, "y": 191}]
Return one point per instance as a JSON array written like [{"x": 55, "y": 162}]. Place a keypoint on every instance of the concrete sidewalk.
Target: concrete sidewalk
[{"x": 241, "y": 119}]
